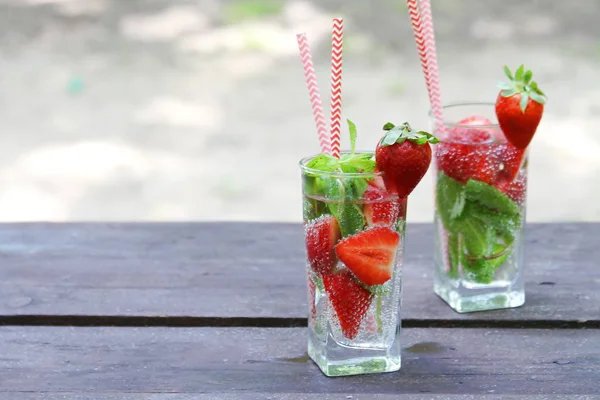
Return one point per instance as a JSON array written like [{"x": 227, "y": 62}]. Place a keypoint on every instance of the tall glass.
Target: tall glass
[
  {"x": 480, "y": 192},
  {"x": 352, "y": 228}
]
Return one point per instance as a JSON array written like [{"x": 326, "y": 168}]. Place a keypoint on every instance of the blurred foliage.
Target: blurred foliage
[{"x": 241, "y": 10}]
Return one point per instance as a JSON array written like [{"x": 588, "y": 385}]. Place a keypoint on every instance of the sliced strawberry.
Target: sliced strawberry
[
  {"x": 349, "y": 299},
  {"x": 377, "y": 182},
  {"x": 515, "y": 190},
  {"x": 511, "y": 157},
  {"x": 464, "y": 154},
  {"x": 321, "y": 236},
  {"x": 379, "y": 208},
  {"x": 311, "y": 300},
  {"x": 370, "y": 255}
]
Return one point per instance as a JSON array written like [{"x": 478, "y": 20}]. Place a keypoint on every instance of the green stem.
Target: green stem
[{"x": 378, "y": 315}]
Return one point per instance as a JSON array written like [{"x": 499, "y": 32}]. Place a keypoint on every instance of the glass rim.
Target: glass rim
[
  {"x": 335, "y": 174},
  {"x": 452, "y": 124}
]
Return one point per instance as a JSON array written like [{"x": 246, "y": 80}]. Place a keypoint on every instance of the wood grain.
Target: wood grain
[
  {"x": 256, "y": 360},
  {"x": 236, "y": 273},
  {"x": 278, "y": 396}
]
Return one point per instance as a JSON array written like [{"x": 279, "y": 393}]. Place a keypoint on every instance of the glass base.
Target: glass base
[
  {"x": 465, "y": 300},
  {"x": 337, "y": 360}
]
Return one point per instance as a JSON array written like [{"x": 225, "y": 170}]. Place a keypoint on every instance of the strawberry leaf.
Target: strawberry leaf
[
  {"x": 536, "y": 89},
  {"x": 522, "y": 84},
  {"x": 528, "y": 76},
  {"x": 519, "y": 73},
  {"x": 537, "y": 98},
  {"x": 508, "y": 73},
  {"x": 401, "y": 133},
  {"x": 523, "y": 102},
  {"x": 391, "y": 137},
  {"x": 388, "y": 126},
  {"x": 509, "y": 93},
  {"x": 352, "y": 130}
]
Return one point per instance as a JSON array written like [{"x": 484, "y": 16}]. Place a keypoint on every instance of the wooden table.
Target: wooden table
[{"x": 218, "y": 311}]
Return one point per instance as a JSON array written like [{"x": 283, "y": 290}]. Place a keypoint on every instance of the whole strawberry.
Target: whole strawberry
[
  {"x": 404, "y": 156},
  {"x": 519, "y": 107}
]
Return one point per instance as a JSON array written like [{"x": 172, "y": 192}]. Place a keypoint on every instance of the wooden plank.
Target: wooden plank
[
  {"x": 278, "y": 396},
  {"x": 273, "y": 361},
  {"x": 254, "y": 270}
]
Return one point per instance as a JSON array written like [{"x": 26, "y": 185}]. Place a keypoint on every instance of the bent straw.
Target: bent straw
[
  {"x": 313, "y": 92},
  {"x": 422, "y": 24},
  {"x": 336, "y": 85}
]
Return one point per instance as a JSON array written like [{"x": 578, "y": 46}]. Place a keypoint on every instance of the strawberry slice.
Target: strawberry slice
[
  {"x": 464, "y": 155},
  {"x": 511, "y": 157},
  {"x": 377, "y": 181},
  {"x": 515, "y": 190},
  {"x": 370, "y": 255},
  {"x": 349, "y": 299},
  {"x": 378, "y": 210},
  {"x": 311, "y": 299},
  {"x": 321, "y": 236}
]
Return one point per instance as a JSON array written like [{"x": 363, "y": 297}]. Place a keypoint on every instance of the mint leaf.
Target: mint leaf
[
  {"x": 352, "y": 130},
  {"x": 342, "y": 204},
  {"x": 482, "y": 270},
  {"x": 477, "y": 238},
  {"x": 450, "y": 200},
  {"x": 350, "y": 219},
  {"x": 454, "y": 254},
  {"x": 359, "y": 187},
  {"x": 348, "y": 168},
  {"x": 323, "y": 162},
  {"x": 506, "y": 225},
  {"x": 363, "y": 162},
  {"x": 378, "y": 290},
  {"x": 313, "y": 208},
  {"x": 490, "y": 197}
]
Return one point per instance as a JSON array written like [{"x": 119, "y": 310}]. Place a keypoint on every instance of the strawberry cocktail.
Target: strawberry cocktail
[
  {"x": 481, "y": 183},
  {"x": 354, "y": 213}
]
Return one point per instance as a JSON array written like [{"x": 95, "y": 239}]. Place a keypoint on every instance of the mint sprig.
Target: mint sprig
[
  {"x": 348, "y": 163},
  {"x": 403, "y": 132},
  {"x": 342, "y": 193},
  {"x": 481, "y": 222}
]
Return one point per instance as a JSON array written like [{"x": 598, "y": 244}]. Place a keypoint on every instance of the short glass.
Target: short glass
[
  {"x": 353, "y": 327},
  {"x": 480, "y": 193}
]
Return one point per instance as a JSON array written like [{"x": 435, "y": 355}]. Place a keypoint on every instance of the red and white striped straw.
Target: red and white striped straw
[
  {"x": 422, "y": 23},
  {"x": 313, "y": 92},
  {"x": 415, "y": 19},
  {"x": 432, "y": 64},
  {"x": 336, "y": 85}
]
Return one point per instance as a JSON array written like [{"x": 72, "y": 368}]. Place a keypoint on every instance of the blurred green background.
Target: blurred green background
[{"x": 197, "y": 110}]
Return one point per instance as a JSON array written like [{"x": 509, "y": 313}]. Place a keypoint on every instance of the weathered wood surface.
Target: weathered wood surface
[
  {"x": 278, "y": 396},
  {"x": 257, "y": 360},
  {"x": 254, "y": 270}
]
